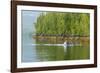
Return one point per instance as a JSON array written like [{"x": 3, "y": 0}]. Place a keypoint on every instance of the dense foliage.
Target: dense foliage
[{"x": 60, "y": 23}]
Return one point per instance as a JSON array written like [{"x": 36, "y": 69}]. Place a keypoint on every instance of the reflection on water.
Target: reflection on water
[
  {"x": 54, "y": 53},
  {"x": 37, "y": 53}
]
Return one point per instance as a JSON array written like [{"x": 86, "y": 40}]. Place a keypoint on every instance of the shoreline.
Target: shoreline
[{"x": 62, "y": 39}]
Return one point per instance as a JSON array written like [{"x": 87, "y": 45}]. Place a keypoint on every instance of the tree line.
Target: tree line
[{"x": 63, "y": 23}]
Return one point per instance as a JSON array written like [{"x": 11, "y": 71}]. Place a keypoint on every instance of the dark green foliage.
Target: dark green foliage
[{"x": 58, "y": 23}]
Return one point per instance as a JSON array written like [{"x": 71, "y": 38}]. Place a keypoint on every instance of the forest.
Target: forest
[{"x": 63, "y": 23}]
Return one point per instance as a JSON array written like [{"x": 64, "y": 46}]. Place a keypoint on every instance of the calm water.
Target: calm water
[{"x": 36, "y": 53}]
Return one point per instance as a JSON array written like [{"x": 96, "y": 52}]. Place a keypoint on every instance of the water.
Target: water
[{"x": 46, "y": 52}]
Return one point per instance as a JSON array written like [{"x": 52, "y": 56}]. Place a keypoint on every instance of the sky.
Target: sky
[{"x": 28, "y": 20}]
